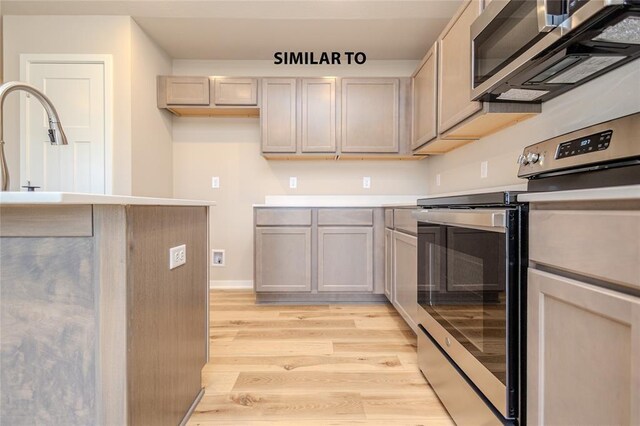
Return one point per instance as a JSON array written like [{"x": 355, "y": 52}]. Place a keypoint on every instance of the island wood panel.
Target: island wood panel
[
  {"x": 46, "y": 221},
  {"x": 166, "y": 311},
  {"x": 48, "y": 332},
  {"x": 266, "y": 376}
]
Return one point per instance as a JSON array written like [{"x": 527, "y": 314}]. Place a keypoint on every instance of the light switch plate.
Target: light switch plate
[
  {"x": 215, "y": 182},
  {"x": 366, "y": 182},
  {"x": 293, "y": 182},
  {"x": 177, "y": 256}
]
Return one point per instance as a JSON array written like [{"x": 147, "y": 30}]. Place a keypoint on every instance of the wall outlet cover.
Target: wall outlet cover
[
  {"x": 438, "y": 179},
  {"x": 215, "y": 182},
  {"x": 366, "y": 182},
  {"x": 484, "y": 169},
  {"x": 177, "y": 256},
  {"x": 217, "y": 257},
  {"x": 293, "y": 182}
]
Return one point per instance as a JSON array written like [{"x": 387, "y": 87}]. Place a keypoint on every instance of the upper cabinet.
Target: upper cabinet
[
  {"x": 455, "y": 68},
  {"x": 333, "y": 118},
  {"x": 370, "y": 115},
  {"x": 460, "y": 120},
  {"x": 208, "y": 96},
  {"x": 318, "y": 110},
  {"x": 278, "y": 118},
  {"x": 425, "y": 99},
  {"x": 235, "y": 91}
]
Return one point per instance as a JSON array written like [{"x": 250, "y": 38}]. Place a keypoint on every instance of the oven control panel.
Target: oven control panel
[{"x": 596, "y": 142}]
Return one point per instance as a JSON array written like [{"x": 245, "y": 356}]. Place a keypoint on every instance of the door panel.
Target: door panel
[
  {"x": 77, "y": 92},
  {"x": 345, "y": 258}
]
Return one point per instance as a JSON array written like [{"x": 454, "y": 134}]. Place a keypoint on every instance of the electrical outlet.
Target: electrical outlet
[
  {"x": 438, "y": 179},
  {"x": 217, "y": 257},
  {"x": 293, "y": 182},
  {"x": 215, "y": 182},
  {"x": 366, "y": 182},
  {"x": 484, "y": 169},
  {"x": 177, "y": 256}
]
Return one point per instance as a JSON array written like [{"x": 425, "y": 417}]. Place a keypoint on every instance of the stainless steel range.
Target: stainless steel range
[{"x": 472, "y": 262}]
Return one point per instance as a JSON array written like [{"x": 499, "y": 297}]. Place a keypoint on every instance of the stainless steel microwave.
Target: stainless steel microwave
[{"x": 534, "y": 50}]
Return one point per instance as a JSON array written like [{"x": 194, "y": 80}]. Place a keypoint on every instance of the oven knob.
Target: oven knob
[
  {"x": 522, "y": 159},
  {"x": 532, "y": 157}
]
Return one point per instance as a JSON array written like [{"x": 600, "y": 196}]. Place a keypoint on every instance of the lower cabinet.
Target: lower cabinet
[
  {"x": 345, "y": 258},
  {"x": 319, "y": 254},
  {"x": 583, "y": 353},
  {"x": 388, "y": 264},
  {"x": 405, "y": 276},
  {"x": 283, "y": 259}
]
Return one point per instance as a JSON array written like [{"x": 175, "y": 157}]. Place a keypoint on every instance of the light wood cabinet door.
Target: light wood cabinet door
[
  {"x": 278, "y": 115},
  {"x": 235, "y": 91},
  {"x": 370, "y": 115},
  {"x": 283, "y": 259},
  {"x": 187, "y": 91},
  {"x": 425, "y": 100},
  {"x": 454, "y": 88},
  {"x": 388, "y": 264},
  {"x": 345, "y": 259},
  {"x": 583, "y": 354},
  {"x": 405, "y": 276},
  {"x": 318, "y": 108}
]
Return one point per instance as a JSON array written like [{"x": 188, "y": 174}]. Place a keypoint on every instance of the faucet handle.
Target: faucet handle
[{"x": 30, "y": 188}]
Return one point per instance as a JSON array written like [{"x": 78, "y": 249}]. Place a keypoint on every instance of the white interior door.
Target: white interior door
[{"x": 77, "y": 90}]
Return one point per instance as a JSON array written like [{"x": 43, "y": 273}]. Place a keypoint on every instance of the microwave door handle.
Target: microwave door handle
[
  {"x": 493, "y": 220},
  {"x": 547, "y": 21}
]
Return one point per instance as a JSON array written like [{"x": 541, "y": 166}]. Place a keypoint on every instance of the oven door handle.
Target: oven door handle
[{"x": 493, "y": 220}]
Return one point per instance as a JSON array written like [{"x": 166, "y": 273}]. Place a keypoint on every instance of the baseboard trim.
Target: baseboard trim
[{"x": 231, "y": 284}]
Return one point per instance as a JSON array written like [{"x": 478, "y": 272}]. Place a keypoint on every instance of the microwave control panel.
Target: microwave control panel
[{"x": 592, "y": 143}]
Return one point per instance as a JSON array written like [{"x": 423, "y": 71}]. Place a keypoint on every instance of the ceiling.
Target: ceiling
[{"x": 241, "y": 29}]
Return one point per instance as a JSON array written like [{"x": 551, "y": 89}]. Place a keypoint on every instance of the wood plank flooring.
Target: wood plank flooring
[{"x": 312, "y": 365}]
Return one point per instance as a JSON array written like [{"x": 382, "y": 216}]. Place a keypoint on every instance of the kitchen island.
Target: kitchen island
[{"x": 95, "y": 326}]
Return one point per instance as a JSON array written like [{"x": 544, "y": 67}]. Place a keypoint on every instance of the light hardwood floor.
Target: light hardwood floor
[{"x": 312, "y": 365}]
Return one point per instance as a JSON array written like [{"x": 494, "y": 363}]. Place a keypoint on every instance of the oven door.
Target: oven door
[{"x": 468, "y": 295}]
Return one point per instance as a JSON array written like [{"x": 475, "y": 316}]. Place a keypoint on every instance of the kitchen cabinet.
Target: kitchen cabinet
[
  {"x": 455, "y": 68},
  {"x": 187, "y": 90},
  {"x": 459, "y": 119},
  {"x": 388, "y": 262},
  {"x": 278, "y": 121},
  {"x": 283, "y": 259},
  {"x": 583, "y": 313},
  {"x": 319, "y": 254},
  {"x": 583, "y": 352},
  {"x": 235, "y": 91},
  {"x": 192, "y": 96},
  {"x": 425, "y": 100},
  {"x": 318, "y": 109},
  {"x": 97, "y": 329},
  {"x": 370, "y": 115},
  {"x": 345, "y": 258},
  {"x": 405, "y": 277}
]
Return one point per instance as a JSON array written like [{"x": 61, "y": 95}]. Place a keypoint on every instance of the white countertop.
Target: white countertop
[
  {"x": 27, "y": 198},
  {"x": 338, "y": 200},
  {"x": 630, "y": 192}
]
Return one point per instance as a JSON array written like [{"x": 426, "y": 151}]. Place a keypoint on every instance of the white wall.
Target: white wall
[
  {"x": 230, "y": 148},
  {"x": 612, "y": 95},
  {"x": 77, "y": 35},
  {"x": 151, "y": 128},
  {"x": 142, "y": 149}
]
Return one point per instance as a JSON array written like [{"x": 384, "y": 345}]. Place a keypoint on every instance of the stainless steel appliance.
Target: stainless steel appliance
[
  {"x": 534, "y": 50},
  {"x": 472, "y": 261}
]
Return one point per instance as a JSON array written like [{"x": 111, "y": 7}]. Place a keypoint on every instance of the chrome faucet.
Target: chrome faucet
[{"x": 56, "y": 133}]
